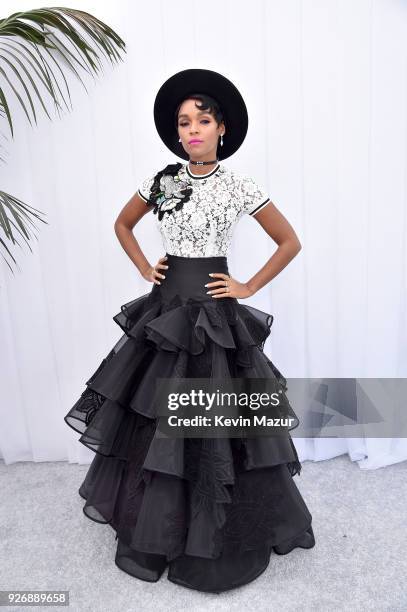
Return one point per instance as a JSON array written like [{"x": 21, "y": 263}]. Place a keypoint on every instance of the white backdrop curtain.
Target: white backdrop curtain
[{"x": 325, "y": 83}]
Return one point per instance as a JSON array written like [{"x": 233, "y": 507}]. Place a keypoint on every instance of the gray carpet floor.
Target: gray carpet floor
[{"x": 359, "y": 562}]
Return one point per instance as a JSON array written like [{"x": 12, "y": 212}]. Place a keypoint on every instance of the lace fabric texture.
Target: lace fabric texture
[
  {"x": 204, "y": 223},
  {"x": 212, "y": 510}
]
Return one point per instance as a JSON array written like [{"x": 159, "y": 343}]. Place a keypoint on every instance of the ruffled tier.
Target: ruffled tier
[
  {"x": 185, "y": 500},
  {"x": 193, "y": 325}
]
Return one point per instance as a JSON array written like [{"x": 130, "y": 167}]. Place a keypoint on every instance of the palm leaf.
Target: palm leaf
[
  {"x": 12, "y": 212},
  {"x": 35, "y": 47}
]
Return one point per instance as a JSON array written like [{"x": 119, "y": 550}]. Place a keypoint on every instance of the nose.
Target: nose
[{"x": 193, "y": 129}]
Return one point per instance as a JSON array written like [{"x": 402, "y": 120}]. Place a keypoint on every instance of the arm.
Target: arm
[
  {"x": 279, "y": 229},
  {"x": 128, "y": 217}
]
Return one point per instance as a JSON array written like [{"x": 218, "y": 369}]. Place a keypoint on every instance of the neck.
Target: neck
[{"x": 200, "y": 168}]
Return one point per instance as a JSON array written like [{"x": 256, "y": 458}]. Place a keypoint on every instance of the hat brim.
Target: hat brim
[{"x": 198, "y": 80}]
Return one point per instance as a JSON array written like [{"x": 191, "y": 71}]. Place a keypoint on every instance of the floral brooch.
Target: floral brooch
[{"x": 169, "y": 191}]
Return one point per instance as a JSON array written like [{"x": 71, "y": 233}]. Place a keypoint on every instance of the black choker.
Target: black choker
[{"x": 203, "y": 163}]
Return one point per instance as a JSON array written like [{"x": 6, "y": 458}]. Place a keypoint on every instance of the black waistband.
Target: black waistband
[{"x": 187, "y": 276}]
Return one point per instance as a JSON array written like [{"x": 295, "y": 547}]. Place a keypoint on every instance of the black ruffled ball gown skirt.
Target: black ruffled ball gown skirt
[{"x": 211, "y": 509}]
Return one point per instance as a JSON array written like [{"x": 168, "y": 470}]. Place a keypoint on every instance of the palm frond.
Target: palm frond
[
  {"x": 30, "y": 41},
  {"x": 38, "y": 49},
  {"x": 17, "y": 214}
]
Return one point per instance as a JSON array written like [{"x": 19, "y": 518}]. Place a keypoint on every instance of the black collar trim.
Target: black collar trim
[{"x": 201, "y": 176}]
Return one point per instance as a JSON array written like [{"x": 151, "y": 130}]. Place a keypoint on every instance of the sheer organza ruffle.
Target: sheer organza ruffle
[{"x": 192, "y": 503}]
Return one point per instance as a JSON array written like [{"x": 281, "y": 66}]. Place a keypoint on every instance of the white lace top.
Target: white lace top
[{"x": 196, "y": 214}]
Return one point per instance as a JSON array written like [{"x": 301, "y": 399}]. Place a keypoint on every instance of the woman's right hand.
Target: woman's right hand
[{"x": 152, "y": 273}]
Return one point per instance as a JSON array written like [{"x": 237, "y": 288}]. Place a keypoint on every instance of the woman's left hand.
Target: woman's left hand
[{"x": 227, "y": 286}]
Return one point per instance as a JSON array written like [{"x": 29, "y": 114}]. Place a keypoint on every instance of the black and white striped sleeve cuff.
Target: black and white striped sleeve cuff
[
  {"x": 143, "y": 197},
  {"x": 260, "y": 207},
  {"x": 144, "y": 189},
  {"x": 254, "y": 196}
]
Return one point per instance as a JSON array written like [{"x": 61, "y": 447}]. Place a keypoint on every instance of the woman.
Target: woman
[{"x": 211, "y": 509}]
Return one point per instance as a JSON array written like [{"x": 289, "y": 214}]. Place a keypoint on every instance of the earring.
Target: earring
[
  {"x": 179, "y": 139},
  {"x": 221, "y": 140}
]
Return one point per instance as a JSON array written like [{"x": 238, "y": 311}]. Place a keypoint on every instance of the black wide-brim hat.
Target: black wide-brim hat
[{"x": 198, "y": 80}]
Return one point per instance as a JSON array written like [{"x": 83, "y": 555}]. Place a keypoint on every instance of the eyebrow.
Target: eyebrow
[{"x": 199, "y": 113}]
